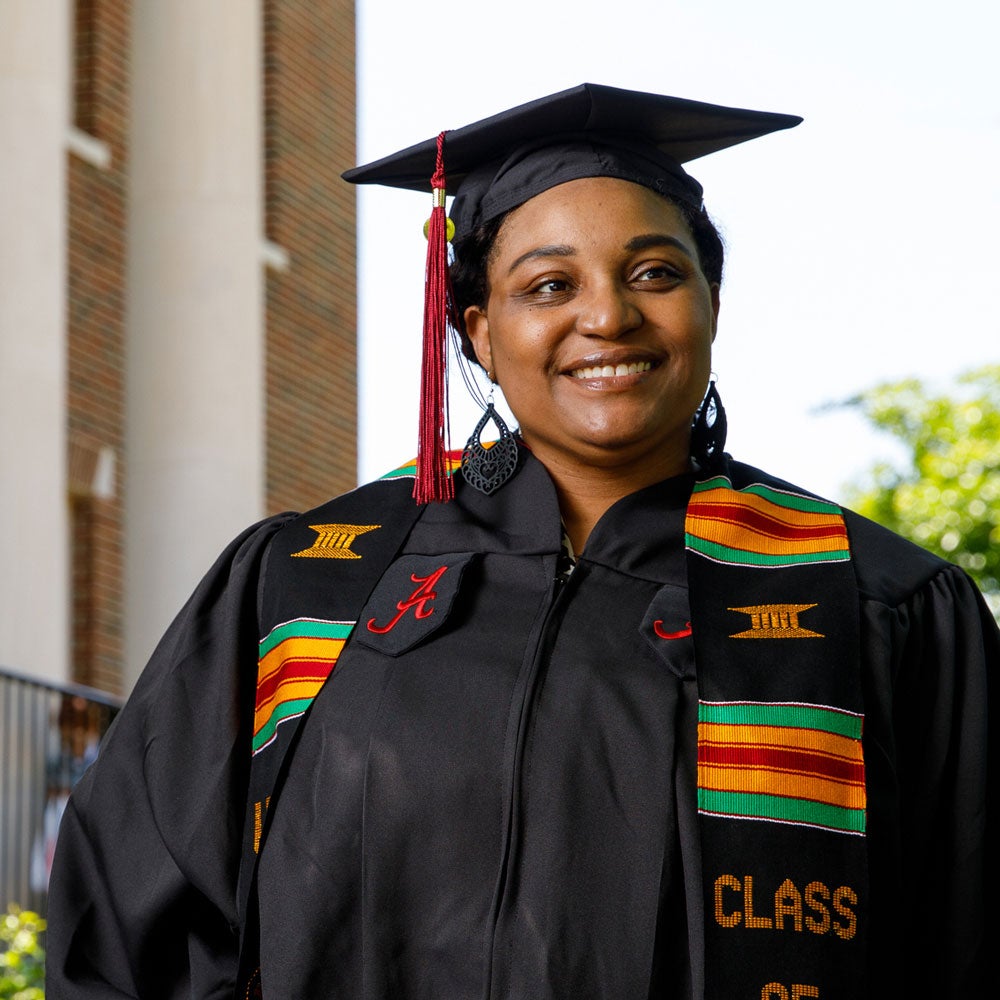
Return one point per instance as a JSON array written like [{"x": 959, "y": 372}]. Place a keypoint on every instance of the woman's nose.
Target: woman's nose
[{"x": 607, "y": 310}]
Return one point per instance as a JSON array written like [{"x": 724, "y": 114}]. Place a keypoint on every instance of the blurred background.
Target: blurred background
[{"x": 201, "y": 324}]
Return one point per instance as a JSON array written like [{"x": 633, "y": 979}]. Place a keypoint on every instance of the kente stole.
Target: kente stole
[
  {"x": 780, "y": 771},
  {"x": 781, "y": 780}
]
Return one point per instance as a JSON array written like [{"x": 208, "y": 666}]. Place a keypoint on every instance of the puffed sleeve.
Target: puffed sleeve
[
  {"x": 932, "y": 758},
  {"x": 142, "y": 899}
]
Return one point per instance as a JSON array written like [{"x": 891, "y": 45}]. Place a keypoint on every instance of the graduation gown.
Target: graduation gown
[{"x": 494, "y": 794}]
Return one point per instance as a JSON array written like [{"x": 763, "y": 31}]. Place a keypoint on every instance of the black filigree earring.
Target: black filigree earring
[
  {"x": 708, "y": 431},
  {"x": 488, "y": 468}
]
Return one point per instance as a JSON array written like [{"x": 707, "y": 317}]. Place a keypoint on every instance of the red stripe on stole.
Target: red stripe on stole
[
  {"x": 293, "y": 670},
  {"x": 800, "y": 761},
  {"x": 763, "y": 524}
]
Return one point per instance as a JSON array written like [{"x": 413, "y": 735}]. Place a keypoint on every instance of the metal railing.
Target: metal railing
[{"x": 49, "y": 734}]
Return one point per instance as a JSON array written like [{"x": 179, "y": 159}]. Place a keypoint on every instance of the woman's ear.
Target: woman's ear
[
  {"x": 477, "y": 326},
  {"x": 716, "y": 302}
]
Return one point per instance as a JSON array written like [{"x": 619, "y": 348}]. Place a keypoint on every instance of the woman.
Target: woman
[{"x": 625, "y": 718}]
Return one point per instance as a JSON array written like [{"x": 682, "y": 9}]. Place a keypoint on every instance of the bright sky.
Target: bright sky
[{"x": 862, "y": 245}]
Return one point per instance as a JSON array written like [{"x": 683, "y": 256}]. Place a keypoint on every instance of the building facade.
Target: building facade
[{"x": 177, "y": 305}]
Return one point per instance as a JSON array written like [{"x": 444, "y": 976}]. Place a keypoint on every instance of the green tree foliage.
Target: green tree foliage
[
  {"x": 22, "y": 958},
  {"x": 947, "y": 498}
]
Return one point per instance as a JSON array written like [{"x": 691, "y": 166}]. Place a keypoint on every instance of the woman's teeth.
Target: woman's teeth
[{"x": 609, "y": 371}]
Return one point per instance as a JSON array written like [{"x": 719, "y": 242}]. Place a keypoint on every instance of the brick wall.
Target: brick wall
[
  {"x": 96, "y": 339},
  {"x": 309, "y": 126},
  {"x": 309, "y": 88}
]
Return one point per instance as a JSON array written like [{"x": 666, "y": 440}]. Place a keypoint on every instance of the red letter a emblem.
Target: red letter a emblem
[{"x": 417, "y": 600}]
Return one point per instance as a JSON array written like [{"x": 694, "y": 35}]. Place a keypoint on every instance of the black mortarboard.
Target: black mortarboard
[{"x": 499, "y": 163}]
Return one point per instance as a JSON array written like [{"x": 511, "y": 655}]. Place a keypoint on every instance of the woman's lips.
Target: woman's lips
[{"x": 612, "y": 371}]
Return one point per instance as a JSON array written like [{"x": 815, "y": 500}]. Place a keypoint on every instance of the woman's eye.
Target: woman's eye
[
  {"x": 657, "y": 272},
  {"x": 548, "y": 286}
]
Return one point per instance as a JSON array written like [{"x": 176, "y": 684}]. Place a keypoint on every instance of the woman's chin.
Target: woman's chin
[{"x": 612, "y": 447}]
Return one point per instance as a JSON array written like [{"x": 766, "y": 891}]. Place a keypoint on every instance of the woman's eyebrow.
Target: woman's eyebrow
[
  {"x": 650, "y": 240},
  {"x": 645, "y": 242},
  {"x": 554, "y": 250}
]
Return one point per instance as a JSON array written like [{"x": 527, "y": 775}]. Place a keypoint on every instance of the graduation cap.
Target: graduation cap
[{"x": 499, "y": 163}]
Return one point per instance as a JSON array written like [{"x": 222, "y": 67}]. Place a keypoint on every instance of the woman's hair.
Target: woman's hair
[{"x": 473, "y": 253}]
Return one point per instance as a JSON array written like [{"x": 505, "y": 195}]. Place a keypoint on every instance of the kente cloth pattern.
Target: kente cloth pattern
[
  {"x": 296, "y": 658},
  {"x": 759, "y": 525},
  {"x": 787, "y": 763}
]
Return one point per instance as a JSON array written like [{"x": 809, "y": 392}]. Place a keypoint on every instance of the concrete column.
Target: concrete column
[
  {"x": 195, "y": 403},
  {"x": 34, "y": 562}
]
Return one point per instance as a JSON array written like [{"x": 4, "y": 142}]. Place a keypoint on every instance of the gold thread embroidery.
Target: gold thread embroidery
[
  {"x": 815, "y": 909},
  {"x": 817, "y": 896},
  {"x": 259, "y": 808},
  {"x": 775, "y": 621},
  {"x": 844, "y": 897},
  {"x": 334, "y": 541},
  {"x": 787, "y": 903},
  {"x": 722, "y": 918},
  {"x": 751, "y": 921},
  {"x": 775, "y": 991},
  {"x": 253, "y": 986},
  {"x": 258, "y": 824}
]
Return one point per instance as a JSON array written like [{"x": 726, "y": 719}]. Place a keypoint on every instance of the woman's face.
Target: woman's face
[{"x": 599, "y": 325}]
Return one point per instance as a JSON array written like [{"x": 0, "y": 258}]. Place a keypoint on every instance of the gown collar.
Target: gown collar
[{"x": 641, "y": 534}]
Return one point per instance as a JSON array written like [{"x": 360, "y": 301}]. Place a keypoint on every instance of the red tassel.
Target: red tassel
[{"x": 433, "y": 481}]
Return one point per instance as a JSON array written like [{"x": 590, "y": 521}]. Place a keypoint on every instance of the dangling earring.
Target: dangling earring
[
  {"x": 487, "y": 469},
  {"x": 708, "y": 431}
]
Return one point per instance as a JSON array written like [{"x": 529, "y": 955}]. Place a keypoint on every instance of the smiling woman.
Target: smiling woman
[
  {"x": 598, "y": 325},
  {"x": 589, "y": 727}
]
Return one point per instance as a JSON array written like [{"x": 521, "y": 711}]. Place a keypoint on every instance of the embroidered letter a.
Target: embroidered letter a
[
  {"x": 428, "y": 586},
  {"x": 417, "y": 600}
]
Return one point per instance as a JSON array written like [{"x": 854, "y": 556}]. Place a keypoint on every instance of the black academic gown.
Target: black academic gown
[{"x": 499, "y": 799}]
